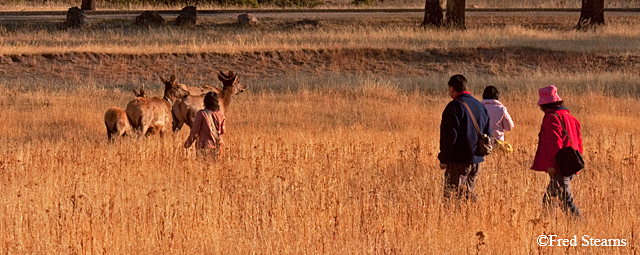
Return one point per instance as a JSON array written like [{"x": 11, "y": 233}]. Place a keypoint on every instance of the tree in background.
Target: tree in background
[
  {"x": 455, "y": 14},
  {"x": 88, "y": 5},
  {"x": 432, "y": 13},
  {"x": 592, "y": 14}
]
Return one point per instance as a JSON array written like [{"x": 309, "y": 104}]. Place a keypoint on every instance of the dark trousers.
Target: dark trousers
[
  {"x": 460, "y": 181},
  {"x": 560, "y": 187}
]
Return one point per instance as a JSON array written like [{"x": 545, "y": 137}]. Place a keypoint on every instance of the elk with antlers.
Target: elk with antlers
[{"x": 185, "y": 109}]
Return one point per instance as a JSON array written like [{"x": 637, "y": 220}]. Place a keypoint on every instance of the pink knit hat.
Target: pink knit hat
[{"x": 548, "y": 94}]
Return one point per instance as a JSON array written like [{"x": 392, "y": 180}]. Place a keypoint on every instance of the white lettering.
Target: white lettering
[
  {"x": 543, "y": 240},
  {"x": 574, "y": 241},
  {"x": 585, "y": 240}
]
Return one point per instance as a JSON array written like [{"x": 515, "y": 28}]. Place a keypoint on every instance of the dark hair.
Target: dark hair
[
  {"x": 211, "y": 101},
  {"x": 551, "y": 106},
  {"x": 490, "y": 92},
  {"x": 458, "y": 83}
]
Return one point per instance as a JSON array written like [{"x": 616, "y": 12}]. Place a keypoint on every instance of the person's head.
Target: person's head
[
  {"x": 549, "y": 98},
  {"x": 490, "y": 92},
  {"x": 457, "y": 84},
  {"x": 211, "y": 101}
]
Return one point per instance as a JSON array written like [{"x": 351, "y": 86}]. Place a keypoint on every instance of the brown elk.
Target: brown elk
[
  {"x": 116, "y": 120},
  {"x": 185, "y": 109},
  {"x": 151, "y": 115}
]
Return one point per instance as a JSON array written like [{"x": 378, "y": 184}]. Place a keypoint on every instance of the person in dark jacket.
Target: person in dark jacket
[
  {"x": 552, "y": 138},
  {"x": 458, "y": 139}
]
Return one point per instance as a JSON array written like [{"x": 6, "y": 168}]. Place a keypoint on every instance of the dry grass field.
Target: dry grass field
[
  {"x": 63, "y": 5},
  {"x": 331, "y": 150}
]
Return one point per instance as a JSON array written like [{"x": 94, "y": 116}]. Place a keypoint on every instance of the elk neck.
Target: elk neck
[
  {"x": 169, "y": 96},
  {"x": 225, "y": 97},
  {"x": 168, "y": 100}
]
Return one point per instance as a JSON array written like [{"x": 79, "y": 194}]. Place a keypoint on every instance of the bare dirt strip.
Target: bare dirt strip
[{"x": 272, "y": 64}]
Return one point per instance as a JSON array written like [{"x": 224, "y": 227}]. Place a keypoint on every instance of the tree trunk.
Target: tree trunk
[
  {"x": 592, "y": 14},
  {"x": 432, "y": 13},
  {"x": 455, "y": 13},
  {"x": 89, "y": 5}
]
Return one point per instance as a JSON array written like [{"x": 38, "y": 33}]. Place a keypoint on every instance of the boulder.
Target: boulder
[
  {"x": 76, "y": 18},
  {"x": 247, "y": 18},
  {"x": 150, "y": 18},
  {"x": 188, "y": 16}
]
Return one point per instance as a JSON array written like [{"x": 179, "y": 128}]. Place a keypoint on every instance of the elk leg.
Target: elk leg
[
  {"x": 144, "y": 129},
  {"x": 177, "y": 124},
  {"x": 161, "y": 130},
  {"x": 109, "y": 133},
  {"x": 121, "y": 129}
]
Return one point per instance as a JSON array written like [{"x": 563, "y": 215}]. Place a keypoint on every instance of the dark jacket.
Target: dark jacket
[{"x": 458, "y": 136}]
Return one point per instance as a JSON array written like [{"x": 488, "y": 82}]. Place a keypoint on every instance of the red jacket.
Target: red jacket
[{"x": 552, "y": 138}]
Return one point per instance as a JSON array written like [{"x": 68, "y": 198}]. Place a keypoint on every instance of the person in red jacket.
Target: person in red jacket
[{"x": 552, "y": 138}]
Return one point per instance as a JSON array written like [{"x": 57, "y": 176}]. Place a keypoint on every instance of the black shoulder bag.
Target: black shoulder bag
[
  {"x": 483, "y": 146},
  {"x": 569, "y": 159}
]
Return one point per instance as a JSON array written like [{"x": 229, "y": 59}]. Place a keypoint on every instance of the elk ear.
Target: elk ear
[
  {"x": 172, "y": 79},
  {"x": 142, "y": 93},
  {"x": 135, "y": 93},
  {"x": 226, "y": 76},
  {"x": 220, "y": 77},
  {"x": 162, "y": 79}
]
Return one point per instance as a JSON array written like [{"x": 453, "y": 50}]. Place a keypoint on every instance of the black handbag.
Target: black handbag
[
  {"x": 484, "y": 146},
  {"x": 569, "y": 160}
]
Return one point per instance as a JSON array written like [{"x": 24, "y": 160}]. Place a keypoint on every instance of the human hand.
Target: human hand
[
  {"x": 443, "y": 166},
  {"x": 551, "y": 170}
]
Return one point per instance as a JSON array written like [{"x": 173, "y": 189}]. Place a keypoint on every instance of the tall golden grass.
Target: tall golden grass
[
  {"x": 216, "y": 35},
  {"x": 334, "y": 165}
]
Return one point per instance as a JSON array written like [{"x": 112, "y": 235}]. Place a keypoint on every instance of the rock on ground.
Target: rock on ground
[
  {"x": 247, "y": 18},
  {"x": 150, "y": 18},
  {"x": 188, "y": 16}
]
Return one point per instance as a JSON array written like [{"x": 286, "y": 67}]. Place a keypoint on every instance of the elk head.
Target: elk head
[
  {"x": 231, "y": 86},
  {"x": 173, "y": 90},
  {"x": 231, "y": 83}
]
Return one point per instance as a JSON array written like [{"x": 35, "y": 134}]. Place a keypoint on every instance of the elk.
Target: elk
[
  {"x": 116, "y": 120},
  {"x": 151, "y": 115},
  {"x": 185, "y": 109}
]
